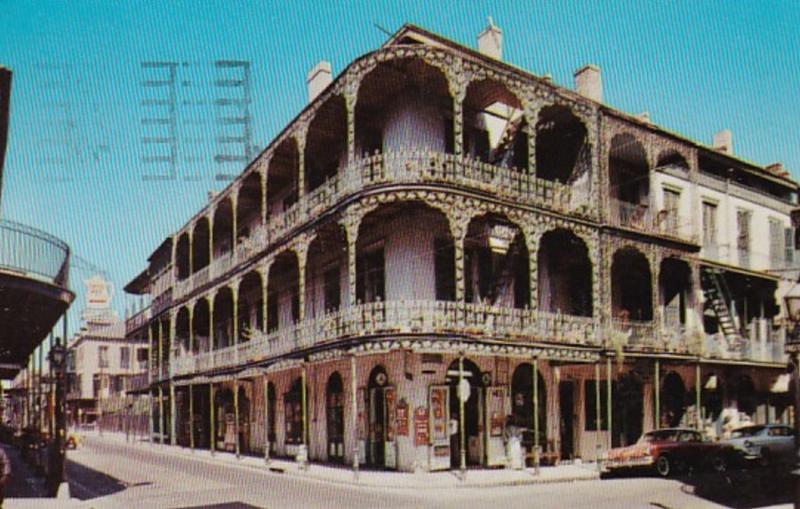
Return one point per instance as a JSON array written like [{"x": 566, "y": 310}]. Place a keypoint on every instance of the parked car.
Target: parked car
[
  {"x": 763, "y": 444},
  {"x": 668, "y": 451}
]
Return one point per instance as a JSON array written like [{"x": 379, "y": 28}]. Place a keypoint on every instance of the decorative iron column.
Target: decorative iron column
[
  {"x": 212, "y": 407},
  {"x": 191, "y": 417},
  {"x": 266, "y": 420},
  {"x": 354, "y": 413},
  {"x": 236, "y": 416}
]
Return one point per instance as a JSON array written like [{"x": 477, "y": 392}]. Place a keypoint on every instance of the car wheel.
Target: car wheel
[
  {"x": 764, "y": 459},
  {"x": 663, "y": 466}
]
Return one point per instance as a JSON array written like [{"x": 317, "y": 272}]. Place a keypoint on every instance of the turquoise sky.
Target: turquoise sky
[{"x": 74, "y": 165}]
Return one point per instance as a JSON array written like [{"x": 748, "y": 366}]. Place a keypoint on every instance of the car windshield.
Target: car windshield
[
  {"x": 664, "y": 435},
  {"x": 749, "y": 431}
]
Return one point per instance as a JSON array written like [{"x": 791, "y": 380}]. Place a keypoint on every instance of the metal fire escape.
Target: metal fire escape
[{"x": 718, "y": 295}]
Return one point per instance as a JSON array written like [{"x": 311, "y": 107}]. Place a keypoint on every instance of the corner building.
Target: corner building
[{"x": 437, "y": 222}]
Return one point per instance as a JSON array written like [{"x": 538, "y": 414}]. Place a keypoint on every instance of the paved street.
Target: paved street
[{"x": 143, "y": 476}]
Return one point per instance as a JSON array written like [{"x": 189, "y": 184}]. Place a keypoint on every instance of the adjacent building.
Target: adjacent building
[
  {"x": 440, "y": 245},
  {"x": 104, "y": 366}
]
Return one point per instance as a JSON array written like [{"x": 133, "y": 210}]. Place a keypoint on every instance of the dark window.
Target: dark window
[
  {"x": 370, "y": 277},
  {"x": 332, "y": 289},
  {"x": 124, "y": 357},
  {"x": 590, "y": 398},
  {"x": 272, "y": 312},
  {"x": 444, "y": 267},
  {"x": 293, "y": 413}
]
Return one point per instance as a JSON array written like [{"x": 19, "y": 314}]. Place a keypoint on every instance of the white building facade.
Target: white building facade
[{"x": 438, "y": 223}]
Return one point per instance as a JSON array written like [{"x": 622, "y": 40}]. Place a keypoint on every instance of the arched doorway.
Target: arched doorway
[
  {"x": 244, "y": 421},
  {"x": 334, "y": 412},
  {"x": 271, "y": 411},
  {"x": 473, "y": 406},
  {"x": 522, "y": 405},
  {"x": 628, "y": 411},
  {"x": 673, "y": 400},
  {"x": 381, "y": 410},
  {"x": 224, "y": 438}
]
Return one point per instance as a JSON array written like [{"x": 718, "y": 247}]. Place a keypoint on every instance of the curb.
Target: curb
[{"x": 267, "y": 469}]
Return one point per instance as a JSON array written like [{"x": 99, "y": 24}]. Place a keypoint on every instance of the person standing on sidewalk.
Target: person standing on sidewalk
[{"x": 5, "y": 473}]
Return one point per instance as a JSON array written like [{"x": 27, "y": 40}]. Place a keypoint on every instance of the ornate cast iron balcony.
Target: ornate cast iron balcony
[{"x": 397, "y": 318}]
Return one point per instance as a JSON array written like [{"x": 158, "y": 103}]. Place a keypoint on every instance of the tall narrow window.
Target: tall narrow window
[
  {"x": 671, "y": 203},
  {"x": 124, "y": 357},
  {"x": 709, "y": 225},
  {"x": 788, "y": 246},
  {"x": 332, "y": 293},
  {"x": 776, "y": 244},
  {"x": 743, "y": 236},
  {"x": 102, "y": 357},
  {"x": 272, "y": 311},
  {"x": 370, "y": 277},
  {"x": 444, "y": 267}
]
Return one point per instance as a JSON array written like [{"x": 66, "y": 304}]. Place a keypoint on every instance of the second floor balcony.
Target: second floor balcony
[{"x": 398, "y": 318}]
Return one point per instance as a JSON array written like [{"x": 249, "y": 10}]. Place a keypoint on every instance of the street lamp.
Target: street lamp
[
  {"x": 792, "y": 346},
  {"x": 57, "y": 357}
]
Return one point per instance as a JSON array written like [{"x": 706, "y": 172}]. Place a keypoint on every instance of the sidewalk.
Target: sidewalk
[
  {"x": 371, "y": 478},
  {"x": 27, "y": 489}
]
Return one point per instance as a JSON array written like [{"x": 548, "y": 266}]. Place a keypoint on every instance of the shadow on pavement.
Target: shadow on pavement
[
  {"x": 744, "y": 488},
  {"x": 86, "y": 483},
  {"x": 25, "y": 482},
  {"x": 741, "y": 488}
]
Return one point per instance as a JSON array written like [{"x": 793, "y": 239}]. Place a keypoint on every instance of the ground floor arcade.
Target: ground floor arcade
[{"x": 408, "y": 410}]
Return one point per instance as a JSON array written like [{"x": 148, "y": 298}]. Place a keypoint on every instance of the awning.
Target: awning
[{"x": 781, "y": 384}]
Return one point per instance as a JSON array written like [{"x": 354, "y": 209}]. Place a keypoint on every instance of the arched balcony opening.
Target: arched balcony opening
[
  {"x": 183, "y": 267},
  {"x": 405, "y": 252},
  {"x": 629, "y": 181},
  {"x": 631, "y": 287},
  {"x": 495, "y": 128},
  {"x": 326, "y": 143},
  {"x": 200, "y": 247},
  {"x": 672, "y": 159},
  {"x": 283, "y": 296},
  {"x": 404, "y": 104},
  {"x": 563, "y": 153},
  {"x": 249, "y": 213},
  {"x": 251, "y": 305},
  {"x": 282, "y": 178},
  {"x": 326, "y": 271},
  {"x": 201, "y": 319},
  {"x": 223, "y": 228},
  {"x": 182, "y": 331},
  {"x": 564, "y": 274},
  {"x": 675, "y": 292},
  {"x": 496, "y": 265},
  {"x": 223, "y": 318}
]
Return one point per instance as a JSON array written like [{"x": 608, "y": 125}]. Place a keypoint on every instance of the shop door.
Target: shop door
[
  {"x": 495, "y": 416},
  {"x": 376, "y": 427},
  {"x": 567, "y": 421},
  {"x": 382, "y": 435},
  {"x": 390, "y": 420},
  {"x": 439, "y": 452}
]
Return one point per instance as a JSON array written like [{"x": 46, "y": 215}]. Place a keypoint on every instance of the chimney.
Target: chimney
[
  {"x": 644, "y": 117},
  {"x": 490, "y": 41},
  {"x": 723, "y": 141},
  {"x": 318, "y": 79},
  {"x": 777, "y": 169},
  {"x": 589, "y": 83}
]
